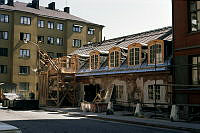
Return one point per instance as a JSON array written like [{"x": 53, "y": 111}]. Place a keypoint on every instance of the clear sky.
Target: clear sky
[{"x": 120, "y": 17}]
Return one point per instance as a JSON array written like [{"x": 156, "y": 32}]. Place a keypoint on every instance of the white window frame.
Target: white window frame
[
  {"x": 133, "y": 59},
  {"x": 4, "y": 35},
  {"x": 115, "y": 58},
  {"x": 156, "y": 49},
  {"x": 25, "y": 20},
  {"x": 4, "y": 18},
  {"x": 24, "y": 53},
  {"x": 60, "y": 26},
  {"x": 76, "y": 43},
  {"x": 41, "y": 23},
  {"x": 50, "y": 25}
]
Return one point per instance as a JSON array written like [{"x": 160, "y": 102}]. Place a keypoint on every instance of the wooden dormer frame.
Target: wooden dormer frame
[
  {"x": 135, "y": 45},
  {"x": 95, "y": 52},
  {"x": 113, "y": 49},
  {"x": 75, "y": 62},
  {"x": 151, "y": 43}
]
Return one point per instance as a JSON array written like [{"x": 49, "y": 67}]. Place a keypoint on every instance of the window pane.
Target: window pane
[{"x": 192, "y": 6}]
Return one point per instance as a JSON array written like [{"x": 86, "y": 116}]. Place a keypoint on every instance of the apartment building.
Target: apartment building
[
  {"x": 186, "y": 27},
  {"x": 27, "y": 27}
]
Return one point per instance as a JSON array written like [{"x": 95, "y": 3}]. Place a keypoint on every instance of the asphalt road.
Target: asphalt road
[{"x": 53, "y": 122}]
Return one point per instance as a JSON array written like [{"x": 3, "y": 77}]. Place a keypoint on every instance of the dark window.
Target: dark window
[
  {"x": 3, "y": 68},
  {"x": 60, "y": 55},
  {"x": 50, "y": 40},
  {"x": 51, "y": 54},
  {"x": 77, "y": 28},
  {"x": 4, "y": 35},
  {"x": 76, "y": 43},
  {"x": 60, "y": 27},
  {"x": 196, "y": 70},
  {"x": 194, "y": 15},
  {"x": 154, "y": 92},
  {"x": 51, "y": 25},
  {"x": 23, "y": 86},
  {"x": 41, "y": 23},
  {"x": 24, "y": 53},
  {"x": 25, "y": 36},
  {"x": 41, "y": 39},
  {"x": 4, "y": 18},
  {"x": 24, "y": 70},
  {"x": 25, "y": 20},
  {"x": 91, "y": 31},
  {"x": 59, "y": 41},
  {"x": 4, "y": 52}
]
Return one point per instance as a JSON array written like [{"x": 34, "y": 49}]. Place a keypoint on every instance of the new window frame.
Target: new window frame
[
  {"x": 156, "y": 50},
  {"x": 94, "y": 60},
  {"x": 134, "y": 58},
  {"x": 114, "y": 57}
]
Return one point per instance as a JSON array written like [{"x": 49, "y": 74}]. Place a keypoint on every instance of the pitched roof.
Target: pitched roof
[
  {"x": 123, "y": 42},
  {"x": 43, "y": 11}
]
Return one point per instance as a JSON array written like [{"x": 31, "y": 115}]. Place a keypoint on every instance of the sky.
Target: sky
[{"x": 120, "y": 17}]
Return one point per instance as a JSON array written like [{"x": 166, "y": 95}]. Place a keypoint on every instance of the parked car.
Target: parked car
[{"x": 6, "y": 128}]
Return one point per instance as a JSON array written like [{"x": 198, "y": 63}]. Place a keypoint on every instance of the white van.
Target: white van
[{"x": 6, "y": 128}]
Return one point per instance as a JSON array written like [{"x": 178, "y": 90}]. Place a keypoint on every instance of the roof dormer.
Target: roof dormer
[
  {"x": 134, "y": 54},
  {"x": 156, "y": 52},
  {"x": 114, "y": 57}
]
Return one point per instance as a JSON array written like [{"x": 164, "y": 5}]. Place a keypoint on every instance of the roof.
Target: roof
[
  {"x": 123, "y": 42},
  {"x": 43, "y": 11}
]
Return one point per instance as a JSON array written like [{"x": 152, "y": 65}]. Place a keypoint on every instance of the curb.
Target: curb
[{"x": 132, "y": 122}]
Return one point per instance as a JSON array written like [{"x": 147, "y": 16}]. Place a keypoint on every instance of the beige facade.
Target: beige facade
[{"x": 21, "y": 69}]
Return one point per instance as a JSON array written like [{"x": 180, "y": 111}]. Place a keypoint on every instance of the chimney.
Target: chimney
[
  {"x": 67, "y": 9},
  {"x": 10, "y": 3},
  {"x": 2, "y": 2},
  {"x": 35, "y": 4},
  {"x": 52, "y": 6}
]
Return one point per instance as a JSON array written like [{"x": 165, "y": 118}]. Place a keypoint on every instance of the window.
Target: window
[
  {"x": 24, "y": 70},
  {"x": 25, "y": 36},
  {"x": 94, "y": 61},
  {"x": 41, "y": 39},
  {"x": 4, "y": 18},
  {"x": 59, "y": 41},
  {"x": 196, "y": 70},
  {"x": 114, "y": 59},
  {"x": 50, "y": 40},
  {"x": 155, "y": 53},
  {"x": 119, "y": 91},
  {"x": 59, "y": 55},
  {"x": 134, "y": 56},
  {"x": 24, "y": 53},
  {"x": 41, "y": 23},
  {"x": 154, "y": 93},
  {"x": 4, "y": 52},
  {"x": 76, "y": 43},
  {"x": 51, "y": 54},
  {"x": 60, "y": 27},
  {"x": 91, "y": 31},
  {"x": 194, "y": 14},
  {"x": 3, "y": 68},
  {"x": 51, "y": 25},
  {"x": 24, "y": 86},
  {"x": 4, "y": 35},
  {"x": 25, "y": 20},
  {"x": 77, "y": 28}
]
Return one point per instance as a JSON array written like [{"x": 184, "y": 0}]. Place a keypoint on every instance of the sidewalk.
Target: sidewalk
[{"x": 119, "y": 117}]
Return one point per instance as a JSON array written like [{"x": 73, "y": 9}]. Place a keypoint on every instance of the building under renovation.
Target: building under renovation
[{"x": 124, "y": 70}]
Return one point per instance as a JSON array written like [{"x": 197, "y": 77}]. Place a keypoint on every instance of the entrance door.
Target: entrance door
[{"x": 90, "y": 92}]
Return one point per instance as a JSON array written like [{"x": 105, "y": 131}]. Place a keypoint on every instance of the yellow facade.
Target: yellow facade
[{"x": 14, "y": 44}]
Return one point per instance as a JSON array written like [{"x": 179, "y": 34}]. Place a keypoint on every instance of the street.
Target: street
[{"x": 39, "y": 121}]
